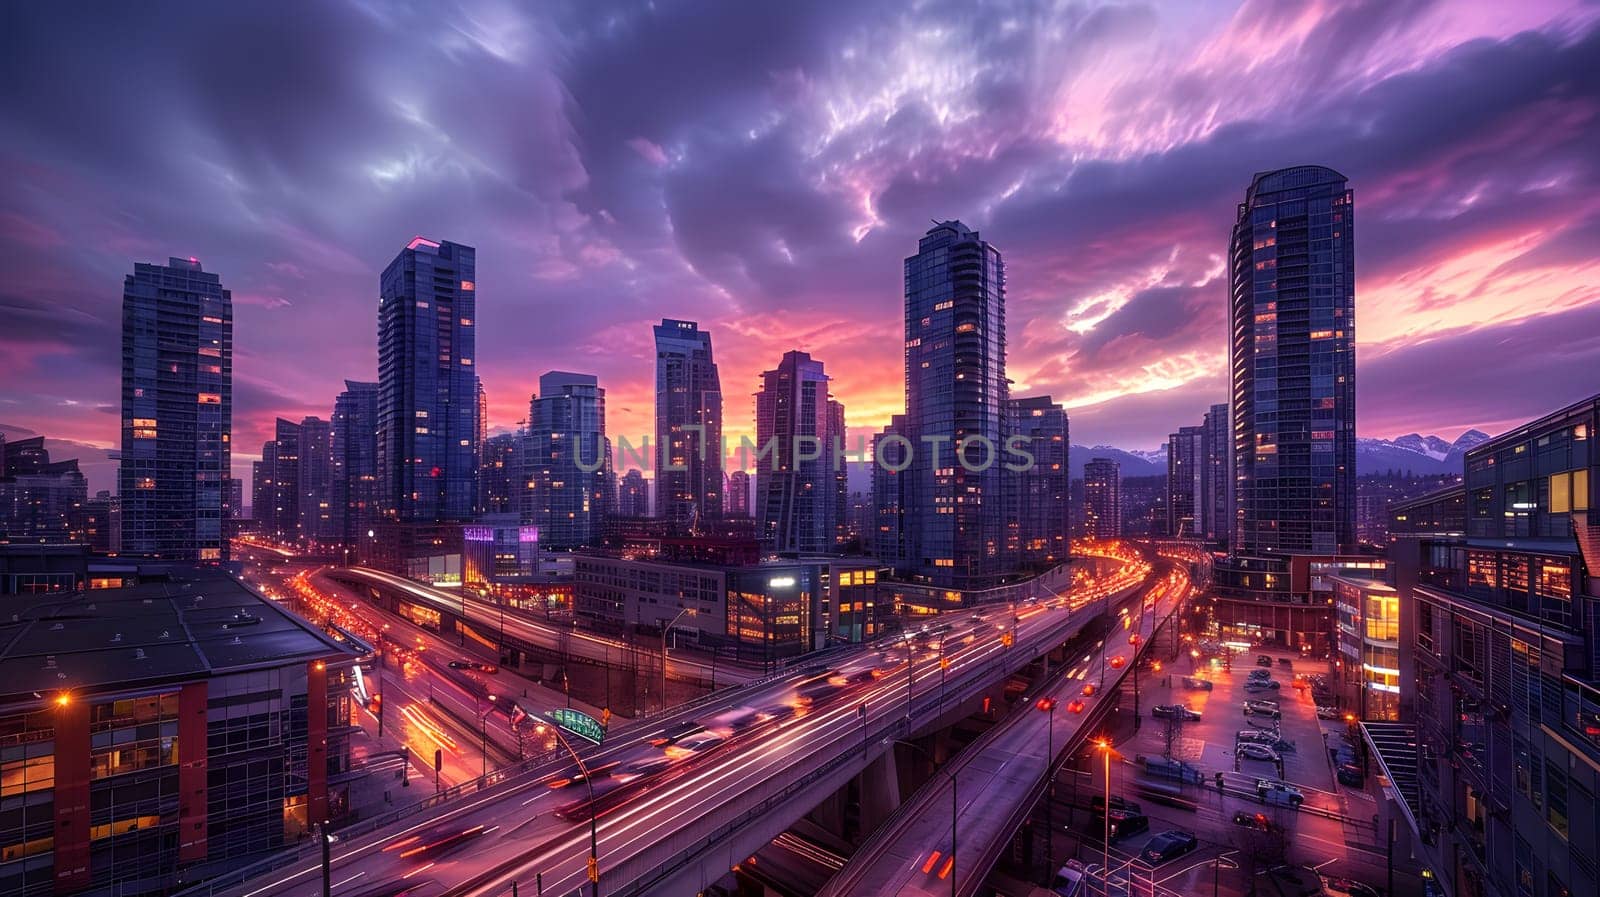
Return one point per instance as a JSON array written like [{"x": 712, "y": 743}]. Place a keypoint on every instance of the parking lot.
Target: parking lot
[{"x": 1333, "y": 830}]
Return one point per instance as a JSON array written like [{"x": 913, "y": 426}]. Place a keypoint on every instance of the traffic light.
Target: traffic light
[
  {"x": 605, "y": 716},
  {"x": 1007, "y": 639}
]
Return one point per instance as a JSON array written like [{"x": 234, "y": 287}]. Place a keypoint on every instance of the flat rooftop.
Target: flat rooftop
[{"x": 200, "y": 623}]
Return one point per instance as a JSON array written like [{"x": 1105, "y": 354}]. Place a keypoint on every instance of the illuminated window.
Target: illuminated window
[
  {"x": 468, "y": 286},
  {"x": 466, "y": 362},
  {"x": 209, "y": 398},
  {"x": 968, "y": 327},
  {"x": 144, "y": 483},
  {"x": 211, "y": 319},
  {"x": 210, "y": 368},
  {"x": 210, "y": 352},
  {"x": 466, "y": 322},
  {"x": 1321, "y": 334},
  {"x": 1561, "y": 493},
  {"x": 421, "y": 304}
]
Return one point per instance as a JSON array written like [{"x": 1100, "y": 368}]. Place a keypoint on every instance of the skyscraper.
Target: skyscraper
[
  {"x": 633, "y": 497},
  {"x": 956, "y": 395},
  {"x": 891, "y": 479},
  {"x": 284, "y": 521},
  {"x": 315, "y": 483},
  {"x": 1292, "y": 360},
  {"x": 1186, "y": 473},
  {"x": 1036, "y": 529},
  {"x": 40, "y": 500},
  {"x": 177, "y": 411},
  {"x": 1102, "y": 499},
  {"x": 501, "y": 474},
  {"x": 355, "y": 462},
  {"x": 736, "y": 502},
  {"x": 688, "y": 451},
  {"x": 799, "y": 502},
  {"x": 1216, "y": 517},
  {"x": 567, "y": 433},
  {"x": 428, "y": 402}
]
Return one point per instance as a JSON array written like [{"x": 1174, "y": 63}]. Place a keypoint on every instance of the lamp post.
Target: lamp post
[
  {"x": 1104, "y": 745},
  {"x": 955, "y": 805},
  {"x": 911, "y": 671},
  {"x": 483, "y": 736},
  {"x": 1048, "y": 705},
  {"x": 594, "y": 844},
  {"x": 666, "y": 629}
]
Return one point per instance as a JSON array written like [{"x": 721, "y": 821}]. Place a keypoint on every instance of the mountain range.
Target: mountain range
[{"x": 1420, "y": 455}]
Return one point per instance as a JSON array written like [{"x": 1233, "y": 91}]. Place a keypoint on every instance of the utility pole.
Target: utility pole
[{"x": 327, "y": 860}]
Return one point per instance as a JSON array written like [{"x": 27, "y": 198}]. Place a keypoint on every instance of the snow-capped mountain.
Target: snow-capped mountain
[{"x": 1421, "y": 455}]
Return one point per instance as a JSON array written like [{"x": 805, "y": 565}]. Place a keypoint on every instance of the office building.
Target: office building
[
  {"x": 1292, "y": 362},
  {"x": 1367, "y": 666},
  {"x": 261, "y": 488},
  {"x": 152, "y": 740},
  {"x": 41, "y": 501},
  {"x": 1216, "y": 512},
  {"x": 688, "y": 448},
  {"x": 501, "y": 475},
  {"x": 428, "y": 394},
  {"x": 891, "y": 479},
  {"x": 177, "y": 411},
  {"x": 569, "y": 460},
  {"x": 737, "y": 495},
  {"x": 1501, "y": 651},
  {"x": 1186, "y": 477},
  {"x": 800, "y": 498},
  {"x": 283, "y": 519},
  {"x": 633, "y": 495},
  {"x": 956, "y": 395},
  {"x": 1102, "y": 499},
  {"x": 355, "y": 463},
  {"x": 314, "y": 484},
  {"x": 1037, "y": 512}
]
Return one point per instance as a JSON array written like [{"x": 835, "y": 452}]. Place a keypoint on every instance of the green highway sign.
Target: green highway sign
[{"x": 578, "y": 723}]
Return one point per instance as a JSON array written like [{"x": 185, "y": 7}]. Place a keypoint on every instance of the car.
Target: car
[
  {"x": 1262, "y": 708},
  {"x": 1167, "y": 768},
  {"x": 1075, "y": 705},
  {"x": 1350, "y": 774},
  {"x": 1249, "y": 751},
  {"x": 1126, "y": 824},
  {"x": 1118, "y": 661},
  {"x": 1271, "y": 792},
  {"x": 1071, "y": 879},
  {"x": 1174, "y": 711},
  {"x": 1197, "y": 684},
  {"x": 694, "y": 744},
  {"x": 1261, "y": 685},
  {"x": 1260, "y": 673},
  {"x": 1326, "y": 712},
  {"x": 1088, "y": 689},
  {"x": 1263, "y": 660},
  {"x": 1345, "y": 887},
  {"x": 1252, "y": 820},
  {"x": 1286, "y": 663},
  {"x": 1168, "y": 846},
  {"x": 1097, "y": 804}
]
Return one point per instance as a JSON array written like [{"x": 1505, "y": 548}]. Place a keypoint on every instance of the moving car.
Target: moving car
[
  {"x": 1118, "y": 661},
  {"x": 1350, "y": 774},
  {"x": 1199, "y": 684},
  {"x": 1261, "y": 685},
  {"x": 1076, "y": 705},
  {"x": 1168, "y": 846},
  {"x": 1251, "y": 751},
  {"x": 1345, "y": 887},
  {"x": 1088, "y": 689},
  {"x": 1263, "y": 660},
  {"x": 1282, "y": 793},
  {"x": 1259, "y": 673},
  {"x": 1174, "y": 711},
  {"x": 1165, "y": 768},
  {"x": 1097, "y": 803},
  {"x": 1252, "y": 820},
  {"x": 1262, "y": 708}
]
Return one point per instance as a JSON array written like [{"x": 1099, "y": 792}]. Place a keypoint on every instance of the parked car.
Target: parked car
[
  {"x": 1325, "y": 712},
  {"x": 1286, "y": 663},
  {"x": 1174, "y": 711},
  {"x": 1272, "y": 792},
  {"x": 1261, "y": 685},
  {"x": 1263, "y": 660},
  {"x": 1125, "y": 824},
  {"x": 1196, "y": 684},
  {"x": 1270, "y": 739},
  {"x": 1118, "y": 802},
  {"x": 1260, "y": 673},
  {"x": 1071, "y": 879},
  {"x": 1345, "y": 887},
  {"x": 1168, "y": 846},
  {"x": 1162, "y": 767},
  {"x": 1249, "y": 751},
  {"x": 1350, "y": 774},
  {"x": 1262, "y": 708}
]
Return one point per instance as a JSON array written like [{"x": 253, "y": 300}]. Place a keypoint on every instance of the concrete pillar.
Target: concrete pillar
[
  {"x": 880, "y": 791},
  {"x": 829, "y": 814}
]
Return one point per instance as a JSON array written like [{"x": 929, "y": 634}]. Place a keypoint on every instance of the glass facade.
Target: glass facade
[
  {"x": 800, "y": 500},
  {"x": 1036, "y": 509},
  {"x": 428, "y": 400},
  {"x": 688, "y": 450},
  {"x": 1102, "y": 499},
  {"x": 355, "y": 461},
  {"x": 177, "y": 411},
  {"x": 567, "y": 433},
  {"x": 1292, "y": 360}
]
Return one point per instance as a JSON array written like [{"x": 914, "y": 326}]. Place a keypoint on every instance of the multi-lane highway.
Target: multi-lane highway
[
  {"x": 677, "y": 790},
  {"x": 999, "y": 777}
]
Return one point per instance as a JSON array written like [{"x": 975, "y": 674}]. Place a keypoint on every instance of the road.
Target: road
[
  {"x": 671, "y": 795},
  {"x": 998, "y": 773}
]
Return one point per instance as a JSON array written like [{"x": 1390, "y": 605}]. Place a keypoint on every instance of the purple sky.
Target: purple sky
[{"x": 763, "y": 168}]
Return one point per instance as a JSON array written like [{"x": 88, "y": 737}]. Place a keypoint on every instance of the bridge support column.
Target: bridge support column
[
  {"x": 830, "y": 815},
  {"x": 880, "y": 791}
]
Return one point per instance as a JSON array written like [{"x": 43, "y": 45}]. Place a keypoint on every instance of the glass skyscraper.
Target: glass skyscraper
[
  {"x": 566, "y": 429},
  {"x": 177, "y": 411},
  {"x": 428, "y": 402},
  {"x": 1102, "y": 499},
  {"x": 355, "y": 461},
  {"x": 688, "y": 449},
  {"x": 1292, "y": 358},
  {"x": 800, "y": 501},
  {"x": 1186, "y": 471},
  {"x": 1036, "y": 521},
  {"x": 956, "y": 399},
  {"x": 1216, "y": 518},
  {"x": 315, "y": 482}
]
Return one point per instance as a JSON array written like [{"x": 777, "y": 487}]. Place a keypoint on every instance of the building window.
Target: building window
[{"x": 209, "y": 398}]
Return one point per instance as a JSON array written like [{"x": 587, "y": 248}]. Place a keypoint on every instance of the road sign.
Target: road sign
[{"x": 578, "y": 723}]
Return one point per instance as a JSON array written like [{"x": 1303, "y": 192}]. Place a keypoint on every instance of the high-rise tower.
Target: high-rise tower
[
  {"x": 567, "y": 433},
  {"x": 688, "y": 449},
  {"x": 177, "y": 411},
  {"x": 799, "y": 500}
]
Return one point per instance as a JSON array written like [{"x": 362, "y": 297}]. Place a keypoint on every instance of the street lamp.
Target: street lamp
[
  {"x": 666, "y": 629},
  {"x": 483, "y": 735},
  {"x": 1048, "y": 705},
  {"x": 911, "y": 670},
  {"x": 594, "y": 844},
  {"x": 1104, "y": 745},
  {"x": 955, "y": 806}
]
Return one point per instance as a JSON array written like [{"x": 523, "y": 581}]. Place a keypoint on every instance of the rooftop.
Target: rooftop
[{"x": 201, "y": 622}]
